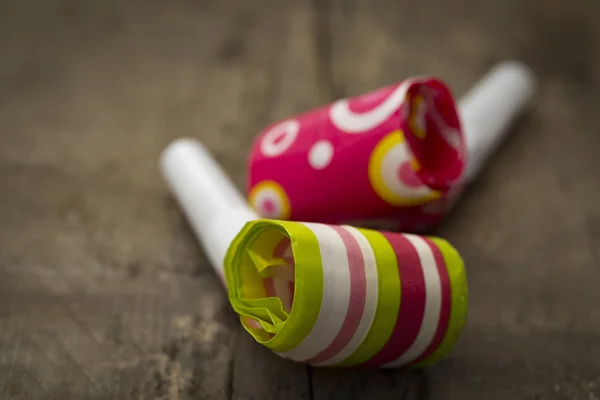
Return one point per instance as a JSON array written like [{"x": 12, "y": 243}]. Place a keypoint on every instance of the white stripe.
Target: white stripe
[
  {"x": 433, "y": 304},
  {"x": 349, "y": 121},
  {"x": 371, "y": 301},
  {"x": 336, "y": 294},
  {"x": 282, "y": 290}
]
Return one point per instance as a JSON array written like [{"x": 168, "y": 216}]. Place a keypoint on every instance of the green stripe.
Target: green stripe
[
  {"x": 308, "y": 290},
  {"x": 459, "y": 298},
  {"x": 388, "y": 299}
]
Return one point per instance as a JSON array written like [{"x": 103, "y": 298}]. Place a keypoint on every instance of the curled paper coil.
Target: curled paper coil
[
  {"x": 397, "y": 152},
  {"x": 332, "y": 295}
]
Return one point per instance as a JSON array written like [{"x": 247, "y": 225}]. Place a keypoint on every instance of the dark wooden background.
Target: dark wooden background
[{"x": 104, "y": 292}]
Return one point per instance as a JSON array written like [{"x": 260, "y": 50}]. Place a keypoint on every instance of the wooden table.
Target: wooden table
[{"x": 104, "y": 292}]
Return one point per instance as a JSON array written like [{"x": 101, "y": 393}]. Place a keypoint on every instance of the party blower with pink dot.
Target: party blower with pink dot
[{"x": 400, "y": 154}]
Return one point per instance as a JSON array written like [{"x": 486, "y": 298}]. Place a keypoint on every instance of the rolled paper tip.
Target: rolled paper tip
[
  {"x": 213, "y": 206},
  {"x": 490, "y": 107},
  {"x": 329, "y": 295}
]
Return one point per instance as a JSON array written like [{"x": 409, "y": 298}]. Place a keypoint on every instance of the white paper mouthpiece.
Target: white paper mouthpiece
[
  {"x": 490, "y": 107},
  {"x": 212, "y": 204}
]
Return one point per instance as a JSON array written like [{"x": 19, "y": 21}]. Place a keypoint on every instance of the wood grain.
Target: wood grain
[
  {"x": 104, "y": 292},
  {"x": 524, "y": 227}
]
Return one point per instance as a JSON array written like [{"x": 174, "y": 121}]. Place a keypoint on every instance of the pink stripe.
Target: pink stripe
[
  {"x": 412, "y": 302},
  {"x": 446, "y": 303},
  {"x": 358, "y": 296},
  {"x": 279, "y": 251},
  {"x": 281, "y": 247},
  {"x": 269, "y": 287}
]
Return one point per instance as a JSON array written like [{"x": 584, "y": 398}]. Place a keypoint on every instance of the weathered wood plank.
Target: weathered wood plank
[
  {"x": 120, "y": 337},
  {"x": 260, "y": 374},
  {"x": 97, "y": 264},
  {"x": 104, "y": 292},
  {"x": 526, "y": 228}
]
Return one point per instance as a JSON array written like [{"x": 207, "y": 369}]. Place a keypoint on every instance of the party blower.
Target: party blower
[
  {"x": 401, "y": 154},
  {"x": 325, "y": 295}
]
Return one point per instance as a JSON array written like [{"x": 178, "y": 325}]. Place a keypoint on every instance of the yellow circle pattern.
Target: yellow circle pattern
[
  {"x": 376, "y": 171},
  {"x": 281, "y": 199}
]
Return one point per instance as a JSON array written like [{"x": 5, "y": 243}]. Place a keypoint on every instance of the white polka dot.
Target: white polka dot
[
  {"x": 320, "y": 154},
  {"x": 280, "y": 138}
]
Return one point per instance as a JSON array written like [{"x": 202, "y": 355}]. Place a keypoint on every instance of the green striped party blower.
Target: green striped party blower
[{"x": 324, "y": 295}]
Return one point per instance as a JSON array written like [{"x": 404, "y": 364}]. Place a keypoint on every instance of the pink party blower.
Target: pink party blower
[{"x": 401, "y": 154}]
